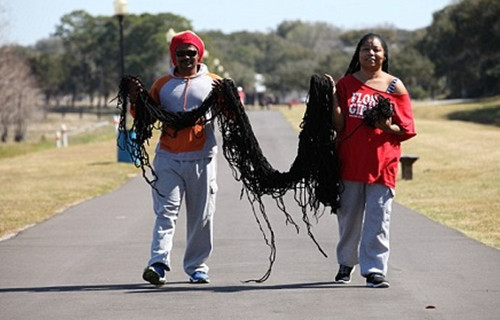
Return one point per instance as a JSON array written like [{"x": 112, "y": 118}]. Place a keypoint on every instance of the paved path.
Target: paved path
[{"x": 86, "y": 263}]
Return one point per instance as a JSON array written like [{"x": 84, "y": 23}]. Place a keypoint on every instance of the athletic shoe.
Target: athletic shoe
[
  {"x": 155, "y": 274},
  {"x": 199, "y": 277},
  {"x": 344, "y": 274},
  {"x": 376, "y": 280}
]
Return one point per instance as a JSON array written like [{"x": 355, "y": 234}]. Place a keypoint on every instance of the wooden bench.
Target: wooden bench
[{"x": 407, "y": 161}]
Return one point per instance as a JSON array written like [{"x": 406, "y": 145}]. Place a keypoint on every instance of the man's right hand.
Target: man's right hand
[{"x": 134, "y": 89}]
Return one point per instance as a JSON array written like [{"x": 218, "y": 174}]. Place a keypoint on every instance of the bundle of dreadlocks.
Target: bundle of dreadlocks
[
  {"x": 382, "y": 111},
  {"x": 313, "y": 175}
]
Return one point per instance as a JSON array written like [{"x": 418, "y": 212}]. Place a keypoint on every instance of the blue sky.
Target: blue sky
[{"x": 27, "y": 21}]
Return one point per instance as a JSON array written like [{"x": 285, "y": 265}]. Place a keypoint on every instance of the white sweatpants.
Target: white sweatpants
[
  {"x": 364, "y": 221},
  {"x": 196, "y": 181}
]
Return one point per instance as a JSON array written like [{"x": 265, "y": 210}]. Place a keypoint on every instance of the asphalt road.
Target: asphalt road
[{"x": 86, "y": 262}]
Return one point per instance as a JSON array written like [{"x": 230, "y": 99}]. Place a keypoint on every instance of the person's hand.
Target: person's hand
[
  {"x": 134, "y": 89},
  {"x": 329, "y": 77},
  {"x": 386, "y": 125},
  {"x": 216, "y": 83},
  {"x": 217, "y": 88}
]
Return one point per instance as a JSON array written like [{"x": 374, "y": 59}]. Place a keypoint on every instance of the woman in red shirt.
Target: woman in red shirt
[{"x": 369, "y": 157}]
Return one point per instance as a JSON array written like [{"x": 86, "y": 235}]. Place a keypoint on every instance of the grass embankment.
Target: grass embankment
[
  {"x": 456, "y": 180},
  {"x": 37, "y": 180}
]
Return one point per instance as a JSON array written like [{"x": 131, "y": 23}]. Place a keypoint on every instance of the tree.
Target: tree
[
  {"x": 458, "y": 54},
  {"x": 319, "y": 37},
  {"x": 18, "y": 93},
  {"x": 91, "y": 50},
  {"x": 416, "y": 71},
  {"x": 147, "y": 51},
  {"x": 77, "y": 31},
  {"x": 463, "y": 42},
  {"x": 48, "y": 67}
]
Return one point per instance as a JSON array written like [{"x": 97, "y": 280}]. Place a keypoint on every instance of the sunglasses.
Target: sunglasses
[{"x": 183, "y": 53}]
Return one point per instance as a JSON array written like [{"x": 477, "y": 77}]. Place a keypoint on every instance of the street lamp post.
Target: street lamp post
[
  {"x": 124, "y": 138},
  {"x": 121, "y": 10}
]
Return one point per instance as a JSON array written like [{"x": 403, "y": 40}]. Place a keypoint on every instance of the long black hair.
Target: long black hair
[
  {"x": 314, "y": 175},
  {"x": 354, "y": 64}
]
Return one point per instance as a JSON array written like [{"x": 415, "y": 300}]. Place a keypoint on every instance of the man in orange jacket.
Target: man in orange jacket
[{"x": 185, "y": 165}]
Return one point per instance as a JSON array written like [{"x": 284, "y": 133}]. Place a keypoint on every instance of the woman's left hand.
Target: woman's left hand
[{"x": 386, "y": 125}]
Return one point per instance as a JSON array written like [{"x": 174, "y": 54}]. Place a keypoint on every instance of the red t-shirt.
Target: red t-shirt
[{"x": 370, "y": 155}]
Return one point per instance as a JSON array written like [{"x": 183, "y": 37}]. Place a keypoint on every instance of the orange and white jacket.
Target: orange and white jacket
[{"x": 177, "y": 94}]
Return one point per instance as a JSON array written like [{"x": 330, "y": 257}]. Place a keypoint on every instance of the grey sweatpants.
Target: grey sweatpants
[
  {"x": 364, "y": 220},
  {"x": 196, "y": 182}
]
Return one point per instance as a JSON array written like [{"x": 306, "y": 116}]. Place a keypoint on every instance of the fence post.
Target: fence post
[
  {"x": 64, "y": 135},
  {"x": 58, "y": 139}
]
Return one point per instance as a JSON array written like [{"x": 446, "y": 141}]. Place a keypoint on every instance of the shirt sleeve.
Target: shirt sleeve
[{"x": 403, "y": 116}]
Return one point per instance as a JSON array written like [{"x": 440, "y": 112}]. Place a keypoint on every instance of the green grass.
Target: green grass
[
  {"x": 486, "y": 115},
  {"x": 37, "y": 180},
  {"x": 17, "y": 149}
]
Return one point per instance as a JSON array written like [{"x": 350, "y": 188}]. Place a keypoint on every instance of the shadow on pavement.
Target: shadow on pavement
[{"x": 179, "y": 287}]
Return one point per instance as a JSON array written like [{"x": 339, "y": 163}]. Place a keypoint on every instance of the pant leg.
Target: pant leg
[
  {"x": 166, "y": 204},
  {"x": 374, "y": 248},
  {"x": 350, "y": 221},
  {"x": 201, "y": 189}
]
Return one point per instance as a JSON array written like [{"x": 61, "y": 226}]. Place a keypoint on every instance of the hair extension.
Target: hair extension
[
  {"x": 313, "y": 175},
  {"x": 381, "y": 111}
]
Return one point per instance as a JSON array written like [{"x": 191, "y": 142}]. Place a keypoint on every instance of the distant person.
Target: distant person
[
  {"x": 369, "y": 159},
  {"x": 185, "y": 165},
  {"x": 241, "y": 95}
]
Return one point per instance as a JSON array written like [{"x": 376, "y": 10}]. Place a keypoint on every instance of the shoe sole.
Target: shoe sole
[
  {"x": 384, "y": 284},
  {"x": 152, "y": 277},
  {"x": 346, "y": 281},
  {"x": 342, "y": 281},
  {"x": 199, "y": 281}
]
